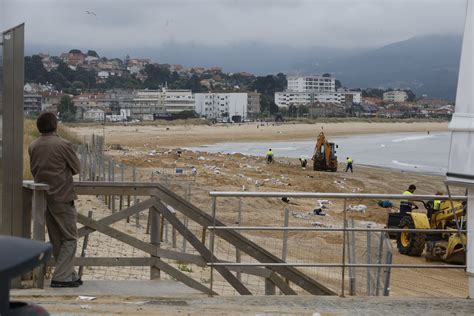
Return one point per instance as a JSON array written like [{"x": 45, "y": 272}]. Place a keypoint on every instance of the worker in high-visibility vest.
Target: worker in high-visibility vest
[
  {"x": 270, "y": 156},
  {"x": 349, "y": 164},
  {"x": 408, "y": 205},
  {"x": 436, "y": 205},
  {"x": 303, "y": 162}
]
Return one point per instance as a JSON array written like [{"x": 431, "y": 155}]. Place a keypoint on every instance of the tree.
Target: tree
[
  {"x": 78, "y": 85},
  {"x": 58, "y": 80},
  {"x": 66, "y": 109},
  {"x": 156, "y": 76},
  {"x": 302, "y": 110},
  {"x": 92, "y": 53},
  {"x": 338, "y": 84},
  {"x": 34, "y": 70},
  {"x": 267, "y": 86},
  {"x": 75, "y": 51},
  {"x": 326, "y": 75},
  {"x": 370, "y": 92},
  {"x": 194, "y": 84},
  {"x": 411, "y": 95}
]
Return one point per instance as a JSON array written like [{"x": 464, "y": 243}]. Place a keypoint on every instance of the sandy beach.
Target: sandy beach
[
  {"x": 194, "y": 135},
  {"x": 238, "y": 172}
]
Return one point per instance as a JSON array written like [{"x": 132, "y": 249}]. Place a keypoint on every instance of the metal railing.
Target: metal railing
[{"x": 345, "y": 196}]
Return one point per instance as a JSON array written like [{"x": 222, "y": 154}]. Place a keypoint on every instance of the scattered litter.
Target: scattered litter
[
  {"x": 357, "y": 208},
  {"x": 319, "y": 224},
  {"x": 307, "y": 215},
  {"x": 87, "y": 298},
  {"x": 285, "y": 199},
  {"x": 201, "y": 158},
  {"x": 319, "y": 212},
  {"x": 116, "y": 147},
  {"x": 152, "y": 153},
  {"x": 85, "y": 307},
  {"x": 385, "y": 203},
  {"x": 301, "y": 215},
  {"x": 324, "y": 202},
  {"x": 137, "y": 303}
]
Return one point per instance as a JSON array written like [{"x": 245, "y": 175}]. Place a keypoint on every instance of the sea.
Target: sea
[{"x": 419, "y": 152}]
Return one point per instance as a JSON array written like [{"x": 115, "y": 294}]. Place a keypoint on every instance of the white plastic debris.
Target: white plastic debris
[
  {"x": 87, "y": 298},
  {"x": 324, "y": 202},
  {"x": 201, "y": 158},
  {"x": 357, "y": 208}
]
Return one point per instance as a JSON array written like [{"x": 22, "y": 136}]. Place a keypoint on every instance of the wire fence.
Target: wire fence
[
  {"x": 370, "y": 248},
  {"x": 291, "y": 246}
]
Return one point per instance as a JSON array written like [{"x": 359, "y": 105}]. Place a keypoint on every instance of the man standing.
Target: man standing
[
  {"x": 408, "y": 205},
  {"x": 53, "y": 162},
  {"x": 303, "y": 162},
  {"x": 349, "y": 163},
  {"x": 270, "y": 156}
]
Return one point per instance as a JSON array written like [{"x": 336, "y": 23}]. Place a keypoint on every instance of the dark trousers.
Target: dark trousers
[
  {"x": 349, "y": 166},
  {"x": 404, "y": 208},
  {"x": 269, "y": 158}
]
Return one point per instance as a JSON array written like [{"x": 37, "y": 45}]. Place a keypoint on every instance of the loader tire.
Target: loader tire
[{"x": 410, "y": 244}]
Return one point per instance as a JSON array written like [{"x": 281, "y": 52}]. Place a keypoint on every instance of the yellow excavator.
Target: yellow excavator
[
  {"x": 444, "y": 246},
  {"x": 324, "y": 157}
]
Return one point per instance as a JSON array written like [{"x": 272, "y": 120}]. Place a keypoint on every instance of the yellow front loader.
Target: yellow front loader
[{"x": 444, "y": 246}]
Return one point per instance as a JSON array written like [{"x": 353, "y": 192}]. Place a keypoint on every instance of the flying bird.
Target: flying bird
[{"x": 91, "y": 13}]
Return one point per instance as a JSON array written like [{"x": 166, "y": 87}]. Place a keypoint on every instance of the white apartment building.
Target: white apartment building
[
  {"x": 95, "y": 115},
  {"x": 311, "y": 84},
  {"x": 306, "y": 90},
  {"x": 175, "y": 101},
  {"x": 395, "y": 96},
  {"x": 222, "y": 107},
  {"x": 287, "y": 98}
]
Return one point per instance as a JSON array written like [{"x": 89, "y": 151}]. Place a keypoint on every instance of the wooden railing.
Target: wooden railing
[{"x": 157, "y": 199}]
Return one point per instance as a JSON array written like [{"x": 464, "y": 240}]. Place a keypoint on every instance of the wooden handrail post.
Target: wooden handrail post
[
  {"x": 38, "y": 209},
  {"x": 155, "y": 236}
]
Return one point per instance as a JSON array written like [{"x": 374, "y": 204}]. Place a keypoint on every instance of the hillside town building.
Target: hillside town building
[
  {"x": 395, "y": 96},
  {"x": 308, "y": 90},
  {"x": 175, "y": 101},
  {"x": 222, "y": 107},
  {"x": 311, "y": 84},
  {"x": 32, "y": 103},
  {"x": 253, "y": 105}
]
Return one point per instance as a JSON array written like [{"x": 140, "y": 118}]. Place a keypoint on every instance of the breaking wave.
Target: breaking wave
[{"x": 412, "y": 138}]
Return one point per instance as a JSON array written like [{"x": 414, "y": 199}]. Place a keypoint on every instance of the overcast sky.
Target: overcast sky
[{"x": 116, "y": 24}]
